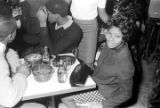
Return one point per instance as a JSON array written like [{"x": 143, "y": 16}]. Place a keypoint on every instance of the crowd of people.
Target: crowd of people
[{"x": 68, "y": 26}]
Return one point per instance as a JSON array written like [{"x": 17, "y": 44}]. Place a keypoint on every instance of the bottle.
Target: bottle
[
  {"x": 62, "y": 73},
  {"x": 45, "y": 57}
]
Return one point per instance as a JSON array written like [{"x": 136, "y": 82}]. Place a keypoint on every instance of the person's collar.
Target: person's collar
[
  {"x": 2, "y": 47},
  {"x": 119, "y": 46},
  {"x": 66, "y": 25},
  {"x": 21, "y": 1}
]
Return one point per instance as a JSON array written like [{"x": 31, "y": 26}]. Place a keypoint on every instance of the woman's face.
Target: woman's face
[{"x": 114, "y": 37}]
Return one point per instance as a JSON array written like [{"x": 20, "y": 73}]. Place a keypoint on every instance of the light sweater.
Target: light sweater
[
  {"x": 86, "y": 9},
  {"x": 12, "y": 88}
]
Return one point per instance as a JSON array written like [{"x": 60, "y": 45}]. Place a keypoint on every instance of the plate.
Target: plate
[{"x": 58, "y": 60}]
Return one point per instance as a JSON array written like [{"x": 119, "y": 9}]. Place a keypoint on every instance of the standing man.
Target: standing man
[{"x": 85, "y": 14}]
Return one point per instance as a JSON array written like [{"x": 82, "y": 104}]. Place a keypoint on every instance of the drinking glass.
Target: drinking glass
[{"x": 62, "y": 73}]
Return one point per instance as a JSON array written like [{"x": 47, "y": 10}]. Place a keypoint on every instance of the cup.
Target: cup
[{"x": 62, "y": 73}]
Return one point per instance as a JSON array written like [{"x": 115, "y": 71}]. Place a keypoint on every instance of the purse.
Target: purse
[{"x": 80, "y": 74}]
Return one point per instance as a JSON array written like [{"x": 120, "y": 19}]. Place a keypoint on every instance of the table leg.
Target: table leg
[{"x": 52, "y": 103}]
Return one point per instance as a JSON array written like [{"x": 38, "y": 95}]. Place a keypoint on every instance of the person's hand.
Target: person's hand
[
  {"x": 23, "y": 69},
  {"x": 16, "y": 11},
  {"x": 42, "y": 15},
  {"x": 18, "y": 23},
  {"x": 108, "y": 23},
  {"x": 106, "y": 33}
]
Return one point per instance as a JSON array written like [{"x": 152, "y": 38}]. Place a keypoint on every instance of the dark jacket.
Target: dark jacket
[
  {"x": 113, "y": 75},
  {"x": 61, "y": 40}
]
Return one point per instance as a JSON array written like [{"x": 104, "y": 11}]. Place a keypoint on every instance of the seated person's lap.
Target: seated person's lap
[{"x": 30, "y": 105}]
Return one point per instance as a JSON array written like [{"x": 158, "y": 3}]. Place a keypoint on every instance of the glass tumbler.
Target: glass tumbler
[{"x": 62, "y": 73}]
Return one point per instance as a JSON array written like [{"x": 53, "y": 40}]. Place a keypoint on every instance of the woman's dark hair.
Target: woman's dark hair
[{"x": 124, "y": 18}]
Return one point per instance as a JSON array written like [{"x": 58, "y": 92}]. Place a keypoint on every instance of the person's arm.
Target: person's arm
[
  {"x": 25, "y": 17},
  {"x": 102, "y": 11},
  {"x": 70, "y": 40},
  {"x": 12, "y": 88},
  {"x": 127, "y": 66},
  {"x": 44, "y": 34},
  {"x": 13, "y": 60},
  {"x": 103, "y": 15},
  {"x": 45, "y": 37}
]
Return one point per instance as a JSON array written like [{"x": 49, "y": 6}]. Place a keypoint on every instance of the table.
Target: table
[{"x": 53, "y": 87}]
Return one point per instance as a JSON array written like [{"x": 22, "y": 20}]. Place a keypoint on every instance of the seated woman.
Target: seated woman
[{"x": 114, "y": 71}]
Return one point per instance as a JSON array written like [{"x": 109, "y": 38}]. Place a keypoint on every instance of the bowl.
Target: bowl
[
  {"x": 42, "y": 72},
  {"x": 34, "y": 58}
]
